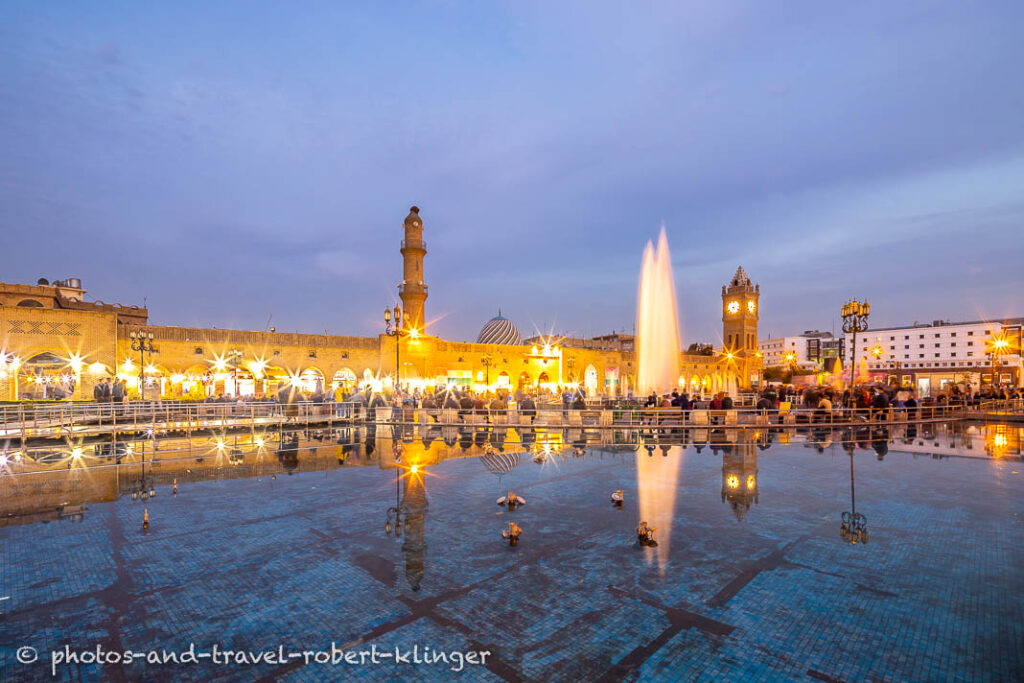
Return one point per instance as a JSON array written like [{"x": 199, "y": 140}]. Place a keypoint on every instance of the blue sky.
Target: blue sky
[{"x": 229, "y": 163}]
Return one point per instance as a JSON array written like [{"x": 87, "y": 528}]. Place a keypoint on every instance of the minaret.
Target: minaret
[{"x": 413, "y": 290}]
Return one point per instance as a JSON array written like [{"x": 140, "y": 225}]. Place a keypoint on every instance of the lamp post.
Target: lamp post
[
  {"x": 997, "y": 346},
  {"x": 855, "y": 319},
  {"x": 854, "y": 527},
  {"x": 142, "y": 342},
  {"x": 236, "y": 358},
  {"x": 395, "y": 513},
  {"x": 487, "y": 361},
  {"x": 396, "y": 332},
  {"x": 572, "y": 364}
]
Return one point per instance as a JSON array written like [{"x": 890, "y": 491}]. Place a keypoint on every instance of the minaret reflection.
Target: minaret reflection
[
  {"x": 739, "y": 474},
  {"x": 414, "y": 547}
]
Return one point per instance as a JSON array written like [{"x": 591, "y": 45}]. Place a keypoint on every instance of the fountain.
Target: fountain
[
  {"x": 657, "y": 349},
  {"x": 657, "y": 327}
]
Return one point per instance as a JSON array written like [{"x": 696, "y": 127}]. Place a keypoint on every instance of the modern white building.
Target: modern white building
[
  {"x": 931, "y": 356},
  {"x": 807, "y": 350}
]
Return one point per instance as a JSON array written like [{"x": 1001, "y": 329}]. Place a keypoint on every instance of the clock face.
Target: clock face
[
  {"x": 733, "y": 307},
  {"x": 751, "y": 306}
]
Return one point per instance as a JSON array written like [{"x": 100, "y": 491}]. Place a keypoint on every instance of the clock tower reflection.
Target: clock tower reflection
[{"x": 739, "y": 474}]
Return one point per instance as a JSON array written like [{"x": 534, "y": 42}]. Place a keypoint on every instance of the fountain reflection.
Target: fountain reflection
[{"x": 657, "y": 482}]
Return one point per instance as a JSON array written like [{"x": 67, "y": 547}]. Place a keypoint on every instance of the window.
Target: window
[
  {"x": 970, "y": 353},
  {"x": 906, "y": 355},
  {"x": 920, "y": 355},
  {"x": 970, "y": 333},
  {"x": 892, "y": 348},
  {"x": 936, "y": 335},
  {"x": 920, "y": 346},
  {"x": 936, "y": 355},
  {"x": 953, "y": 344},
  {"x": 892, "y": 338},
  {"x": 936, "y": 346},
  {"x": 906, "y": 336},
  {"x": 970, "y": 343},
  {"x": 953, "y": 334},
  {"x": 920, "y": 336},
  {"x": 954, "y": 354},
  {"x": 906, "y": 346}
]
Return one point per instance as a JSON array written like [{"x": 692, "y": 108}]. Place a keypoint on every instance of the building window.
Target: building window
[
  {"x": 970, "y": 353},
  {"x": 892, "y": 338},
  {"x": 952, "y": 334},
  {"x": 970, "y": 333},
  {"x": 199, "y": 350},
  {"x": 970, "y": 343},
  {"x": 954, "y": 354},
  {"x": 920, "y": 355},
  {"x": 936, "y": 355},
  {"x": 936, "y": 335},
  {"x": 953, "y": 344},
  {"x": 906, "y": 346}
]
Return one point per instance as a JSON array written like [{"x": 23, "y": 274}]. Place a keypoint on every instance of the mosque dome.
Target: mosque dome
[{"x": 499, "y": 330}]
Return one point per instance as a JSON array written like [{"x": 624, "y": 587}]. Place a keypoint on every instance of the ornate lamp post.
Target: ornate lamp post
[
  {"x": 855, "y": 319},
  {"x": 396, "y": 332},
  {"x": 236, "y": 359},
  {"x": 572, "y": 364},
  {"x": 396, "y": 512},
  {"x": 487, "y": 361},
  {"x": 854, "y": 527},
  {"x": 142, "y": 342}
]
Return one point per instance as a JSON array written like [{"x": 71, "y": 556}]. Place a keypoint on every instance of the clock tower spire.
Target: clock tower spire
[{"x": 740, "y": 312}]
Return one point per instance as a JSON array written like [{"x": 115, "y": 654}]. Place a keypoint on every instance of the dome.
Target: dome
[{"x": 499, "y": 330}]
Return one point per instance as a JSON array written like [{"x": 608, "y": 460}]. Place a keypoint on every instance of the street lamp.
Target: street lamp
[
  {"x": 855, "y": 319},
  {"x": 142, "y": 342},
  {"x": 396, "y": 332},
  {"x": 487, "y": 361},
  {"x": 997, "y": 347},
  {"x": 854, "y": 527},
  {"x": 396, "y": 512},
  {"x": 572, "y": 364},
  {"x": 236, "y": 359}
]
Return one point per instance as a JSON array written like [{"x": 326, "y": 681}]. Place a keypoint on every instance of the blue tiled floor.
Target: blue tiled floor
[{"x": 303, "y": 561}]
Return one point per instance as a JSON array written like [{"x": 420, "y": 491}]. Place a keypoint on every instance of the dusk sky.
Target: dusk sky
[{"x": 227, "y": 163}]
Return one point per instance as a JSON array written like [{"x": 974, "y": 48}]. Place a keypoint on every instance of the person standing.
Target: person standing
[{"x": 117, "y": 392}]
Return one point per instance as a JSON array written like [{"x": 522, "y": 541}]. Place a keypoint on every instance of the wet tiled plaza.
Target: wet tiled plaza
[{"x": 749, "y": 585}]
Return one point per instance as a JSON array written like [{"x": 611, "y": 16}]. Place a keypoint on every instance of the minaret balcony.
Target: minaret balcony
[
  {"x": 412, "y": 287},
  {"x": 414, "y": 244}
]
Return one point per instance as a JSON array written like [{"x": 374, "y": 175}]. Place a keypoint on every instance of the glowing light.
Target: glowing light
[
  {"x": 415, "y": 469},
  {"x": 751, "y": 483},
  {"x": 259, "y": 442},
  {"x": 414, "y": 334},
  {"x": 177, "y": 378},
  {"x": 76, "y": 452},
  {"x": 97, "y": 368},
  {"x": 295, "y": 381},
  {"x": 732, "y": 481},
  {"x": 729, "y": 355},
  {"x": 219, "y": 364},
  {"x": 152, "y": 370},
  {"x": 127, "y": 365},
  {"x": 258, "y": 366},
  {"x": 220, "y": 444},
  {"x": 76, "y": 363}
]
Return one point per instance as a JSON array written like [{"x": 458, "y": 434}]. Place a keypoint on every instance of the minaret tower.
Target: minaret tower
[{"x": 413, "y": 290}]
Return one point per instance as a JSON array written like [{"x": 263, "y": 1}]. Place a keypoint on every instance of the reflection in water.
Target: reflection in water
[
  {"x": 51, "y": 479},
  {"x": 656, "y": 479},
  {"x": 414, "y": 547},
  {"x": 739, "y": 475}
]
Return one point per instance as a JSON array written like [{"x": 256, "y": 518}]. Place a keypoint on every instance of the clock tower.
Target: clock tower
[{"x": 740, "y": 312}]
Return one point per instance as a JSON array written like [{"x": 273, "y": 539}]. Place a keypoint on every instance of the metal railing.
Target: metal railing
[{"x": 39, "y": 420}]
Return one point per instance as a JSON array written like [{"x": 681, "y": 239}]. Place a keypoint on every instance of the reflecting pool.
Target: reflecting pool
[{"x": 877, "y": 552}]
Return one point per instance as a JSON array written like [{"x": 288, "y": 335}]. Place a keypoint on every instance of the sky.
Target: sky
[{"x": 246, "y": 165}]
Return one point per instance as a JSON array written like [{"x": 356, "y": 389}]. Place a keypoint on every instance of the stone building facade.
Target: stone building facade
[{"x": 55, "y": 345}]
